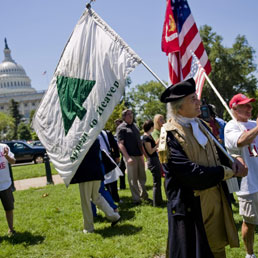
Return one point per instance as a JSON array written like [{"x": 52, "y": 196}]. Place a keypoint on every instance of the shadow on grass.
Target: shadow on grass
[
  {"x": 127, "y": 209},
  {"x": 125, "y": 215},
  {"x": 148, "y": 187},
  {"x": 128, "y": 204},
  {"x": 118, "y": 230},
  {"x": 163, "y": 204},
  {"x": 25, "y": 238}
]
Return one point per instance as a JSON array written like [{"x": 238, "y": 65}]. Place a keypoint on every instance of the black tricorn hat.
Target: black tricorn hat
[{"x": 178, "y": 91}]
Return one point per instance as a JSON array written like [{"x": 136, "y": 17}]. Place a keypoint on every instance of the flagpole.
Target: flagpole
[
  {"x": 155, "y": 75},
  {"x": 219, "y": 96},
  {"x": 227, "y": 108},
  {"x": 88, "y": 5},
  {"x": 232, "y": 183},
  {"x": 141, "y": 61},
  {"x": 214, "y": 88},
  {"x": 214, "y": 139},
  {"x": 223, "y": 102}
]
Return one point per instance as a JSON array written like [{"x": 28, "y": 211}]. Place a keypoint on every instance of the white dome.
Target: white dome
[
  {"x": 12, "y": 67},
  {"x": 13, "y": 78}
]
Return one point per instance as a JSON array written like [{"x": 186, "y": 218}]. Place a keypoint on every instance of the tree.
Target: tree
[
  {"x": 32, "y": 113},
  {"x": 110, "y": 125},
  {"x": 33, "y": 134},
  {"x": 117, "y": 112},
  {"x": 144, "y": 100},
  {"x": 23, "y": 132},
  {"x": 6, "y": 126},
  {"x": 15, "y": 114},
  {"x": 232, "y": 68}
]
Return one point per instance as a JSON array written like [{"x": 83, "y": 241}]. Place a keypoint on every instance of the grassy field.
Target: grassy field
[
  {"x": 31, "y": 170},
  {"x": 49, "y": 223}
]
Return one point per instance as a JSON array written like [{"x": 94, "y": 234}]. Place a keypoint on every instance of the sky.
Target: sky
[{"x": 37, "y": 30}]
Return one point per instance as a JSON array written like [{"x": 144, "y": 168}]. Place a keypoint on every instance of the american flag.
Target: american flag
[
  {"x": 180, "y": 30},
  {"x": 197, "y": 72}
]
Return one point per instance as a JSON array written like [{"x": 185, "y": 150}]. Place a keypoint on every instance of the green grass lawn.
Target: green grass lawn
[
  {"x": 49, "y": 223},
  {"x": 31, "y": 170}
]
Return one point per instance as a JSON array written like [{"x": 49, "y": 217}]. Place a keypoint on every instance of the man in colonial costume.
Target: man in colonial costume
[{"x": 199, "y": 214}]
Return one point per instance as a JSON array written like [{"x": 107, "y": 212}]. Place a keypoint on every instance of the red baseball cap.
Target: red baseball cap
[{"x": 240, "y": 99}]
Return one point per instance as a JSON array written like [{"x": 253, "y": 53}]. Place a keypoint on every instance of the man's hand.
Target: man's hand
[
  {"x": 239, "y": 167},
  {"x": 6, "y": 155},
  {"x": 6, "y": 151},
  {"x": 117, "y": 160},
  {"x": 129, "y": 161}
]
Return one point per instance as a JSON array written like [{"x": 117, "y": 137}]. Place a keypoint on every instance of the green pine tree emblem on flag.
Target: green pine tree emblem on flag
[{"x": 72, "y": 94}]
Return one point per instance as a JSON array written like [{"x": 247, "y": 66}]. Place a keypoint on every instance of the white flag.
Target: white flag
[{"x": 87, "y": 84}]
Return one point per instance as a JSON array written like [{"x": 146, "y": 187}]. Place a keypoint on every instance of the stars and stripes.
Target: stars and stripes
[
  {"x": 179, "y": 60},
  {"x": 197, "y": 72}
]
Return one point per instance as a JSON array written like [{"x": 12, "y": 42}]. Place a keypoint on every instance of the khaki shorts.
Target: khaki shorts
[{"x": 248, "y": 208}]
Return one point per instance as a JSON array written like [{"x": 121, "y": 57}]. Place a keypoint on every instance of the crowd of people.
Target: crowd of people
[{"x": 200, "y": 218}]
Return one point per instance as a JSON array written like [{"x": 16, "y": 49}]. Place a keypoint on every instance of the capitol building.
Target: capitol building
[{"x": 15, "y": 84}]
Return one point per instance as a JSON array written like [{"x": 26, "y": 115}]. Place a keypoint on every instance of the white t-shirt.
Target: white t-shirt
[
  {"x": 5, "y": 179},
  {"x": 249, "y": 184}
]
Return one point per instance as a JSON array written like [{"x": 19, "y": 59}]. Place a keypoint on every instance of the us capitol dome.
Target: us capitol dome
[{"x": 15, "y": 84}]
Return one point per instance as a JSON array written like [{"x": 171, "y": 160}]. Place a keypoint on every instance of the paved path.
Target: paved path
[{"x": 36, "y": 182}]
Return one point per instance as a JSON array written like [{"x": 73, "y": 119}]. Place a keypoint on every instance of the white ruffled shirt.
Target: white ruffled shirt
[{"x": 197, "y": 133}]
